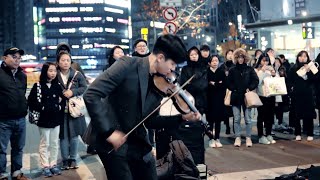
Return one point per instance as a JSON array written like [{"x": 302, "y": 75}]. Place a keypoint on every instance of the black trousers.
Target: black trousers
[
  {"x": 265, "y": 115},
  {"x": 279, "y": 114},
  {"x": 216, "y": 121},
  {"x": 307, "y": 125},
  {"x": 122, "y": 168}
]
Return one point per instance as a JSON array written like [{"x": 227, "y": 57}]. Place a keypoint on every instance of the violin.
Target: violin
[
  {"x": 182, "y": 99},
  {"x": 167, "y": 85}
]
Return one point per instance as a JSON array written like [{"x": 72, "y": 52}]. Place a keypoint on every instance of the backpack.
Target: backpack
[
  {"x": 178, "y": 164},
  {"x": 311, "y": 173}
]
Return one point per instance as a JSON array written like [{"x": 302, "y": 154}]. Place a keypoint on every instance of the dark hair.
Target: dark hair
[
  {"x": 211, "y": 57},
  {"x": 318, "y": 58},
  {"x": 171, "y": 47},
  {"x": 139, "y": 40},
  {"x": 110, "y": 58},
  {"x": 63, "y": 46},
  {"x": 44, "y": 72},
  {"x": 262, "y": 56},
  {"x": 205, "y": 47},
  {"x": 282, "y": 56},
  {"x": 268, "y": 49},
  {"x": 60, "y": 54},
  {"x": 255, "y": 52},
  {"x": 229, "y": 50},
  {"x": 300, "y": 54},
  {"x": 279, "y": 61}
]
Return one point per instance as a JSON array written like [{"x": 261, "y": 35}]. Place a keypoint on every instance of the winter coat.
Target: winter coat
[
  {"x": 226, "y": 66},
  {"x": 241, "y": 77},
  {"x": 12, "y": 93},
  {"x": 198, "y": 85},
  {"x": 76, "y": 126},
  {"x": 216, "y": 93},
  {"x": 50, "y": 107},
  {"x": 302, "y": 98}
]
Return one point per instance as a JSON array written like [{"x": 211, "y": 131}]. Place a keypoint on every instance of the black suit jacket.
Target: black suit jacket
[{"x": 118, "y": 100}]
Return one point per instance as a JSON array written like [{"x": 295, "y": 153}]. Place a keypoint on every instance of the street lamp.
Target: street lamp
[
  {"x": 230, "y": 23},
  {"x": 304, "y": 13}
]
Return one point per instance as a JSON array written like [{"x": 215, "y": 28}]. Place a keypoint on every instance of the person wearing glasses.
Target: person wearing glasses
[
  {"x": 13, "y": 109},
  {"x": 140, "y": 48},
  {"x": 241, "y": 78}
]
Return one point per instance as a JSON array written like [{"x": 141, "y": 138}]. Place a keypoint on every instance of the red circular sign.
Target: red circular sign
[{"x": 170, "y": 13}]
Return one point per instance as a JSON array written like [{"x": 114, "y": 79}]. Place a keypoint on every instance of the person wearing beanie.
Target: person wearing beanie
[{"x": 141, "y": 48}]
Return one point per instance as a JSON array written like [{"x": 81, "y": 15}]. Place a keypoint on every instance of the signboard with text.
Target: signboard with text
[
  {"x": 167, "y": 3},
  {"x": 308, "y": 32}
]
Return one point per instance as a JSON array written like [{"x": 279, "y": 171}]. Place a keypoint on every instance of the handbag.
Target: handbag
[
  {"x": 227, "y": 98},
  {"x": 76, "y": 104},
  {"x": 34, "y": 115},
  {"x": 252, "y": 100},
  {"x": 274, "y": 86}
]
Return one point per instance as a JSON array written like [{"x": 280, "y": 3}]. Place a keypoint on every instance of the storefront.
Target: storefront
[{"x": 289, "y": 36}]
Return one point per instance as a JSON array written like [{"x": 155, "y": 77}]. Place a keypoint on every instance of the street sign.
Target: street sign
[
  {"x": 170, "y": 27},
  {"x": 170, "y": 13},
  {"x": 167, "y": 3}
]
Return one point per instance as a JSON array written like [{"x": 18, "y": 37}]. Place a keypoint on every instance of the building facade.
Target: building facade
[
  {"x": 90, "y": 27},
  {"x": 15, "y": 29},
  {"x": 291, "y": 26}
]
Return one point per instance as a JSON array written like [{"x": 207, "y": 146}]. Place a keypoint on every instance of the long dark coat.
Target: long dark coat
[
  {"x": 76, "y": 126},
  {"x": 302, "y": 96},
  {"x": 216, "y": 93},
  {"x": 198, "y": 85}
]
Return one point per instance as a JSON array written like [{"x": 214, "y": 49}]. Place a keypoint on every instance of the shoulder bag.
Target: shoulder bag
[{"x": 76, "y": 105}]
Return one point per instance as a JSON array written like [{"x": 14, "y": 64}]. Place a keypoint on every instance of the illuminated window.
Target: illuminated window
[
  {"x": 91, "y": 1},
  {"x": 92, "y": 18},
  {"x": 123, "y": 21},
  {"x": 110, "y": 19},
  {"x": 71, "y": 19},
  {"x": 67, "y": 30},
  {"x": 87, "y": 46},
  {"x": 75, "y": 47},
  {"x": 86, "y": 9},
  {"x": 91, "y": 30},
  {"x": 54, "y": 19},
  {"x": 64, "y": 1},
  {"x": 110, "y": 30},
  {"x": 62, "y": 9},
  {"x": 120, "y": 3},
  {"x": 114, "y": 10},
  {"x": 125, "y": 40}
]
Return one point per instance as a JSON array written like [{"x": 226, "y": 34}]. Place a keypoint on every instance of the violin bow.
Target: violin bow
[{"x": 173, "y": 94}]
